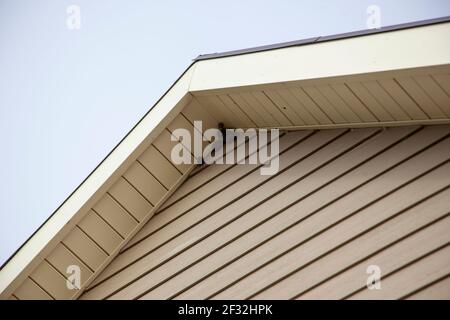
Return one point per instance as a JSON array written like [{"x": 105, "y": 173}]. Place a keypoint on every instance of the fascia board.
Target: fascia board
[{"x": 396, "y": 50}]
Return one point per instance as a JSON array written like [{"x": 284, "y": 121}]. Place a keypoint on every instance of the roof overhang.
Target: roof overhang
[{"x": 412, "y": 52}]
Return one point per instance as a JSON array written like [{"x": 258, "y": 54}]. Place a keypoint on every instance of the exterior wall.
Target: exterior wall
[
  {"x": 343, "y": 200},
  {"x": 301, "y": 88}
]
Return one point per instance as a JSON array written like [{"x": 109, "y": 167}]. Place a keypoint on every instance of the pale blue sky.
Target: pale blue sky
[{"x": 68, "y": 97}]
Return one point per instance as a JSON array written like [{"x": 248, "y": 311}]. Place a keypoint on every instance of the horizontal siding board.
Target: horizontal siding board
[
  {"x": 393, "y": 257},
  {"x": 313, "y": 212},
  {"x": 412, "y": 277},
  {"x": 435, "y": 291},
  {"x": 390, "y": 257},
  {"x": 366, "y": 245}
]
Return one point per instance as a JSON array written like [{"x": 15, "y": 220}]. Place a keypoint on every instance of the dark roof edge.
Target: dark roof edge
[{"x": 323, "y": 38}]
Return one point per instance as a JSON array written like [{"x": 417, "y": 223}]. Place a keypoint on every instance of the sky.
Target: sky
[{"x": 68, "y": 96}]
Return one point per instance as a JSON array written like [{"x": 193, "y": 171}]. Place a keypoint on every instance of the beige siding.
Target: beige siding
[
  {"x": 342, "y": 200},
  {"x": 229, "y": 224},
  {"x": 439, "y": 290}
]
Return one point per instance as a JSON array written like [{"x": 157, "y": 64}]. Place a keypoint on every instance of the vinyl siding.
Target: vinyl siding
[{"x": 342, "y": 200}]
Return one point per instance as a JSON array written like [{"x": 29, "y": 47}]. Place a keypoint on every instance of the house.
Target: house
[{"x": 358, "y": 207}]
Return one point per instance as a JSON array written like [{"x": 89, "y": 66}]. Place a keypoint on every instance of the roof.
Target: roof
[
  {"x": 325, "y": 82},
  {"x": 318, "y": 39}
]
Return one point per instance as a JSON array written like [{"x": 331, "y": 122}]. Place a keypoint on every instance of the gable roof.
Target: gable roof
[
  {"x": 325, "y": 82},
  {"x": 319, "y": 39}
]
